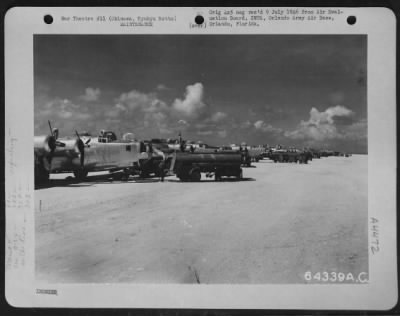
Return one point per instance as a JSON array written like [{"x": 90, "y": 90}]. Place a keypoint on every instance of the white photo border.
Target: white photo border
[{"x": 380, "y": 293}]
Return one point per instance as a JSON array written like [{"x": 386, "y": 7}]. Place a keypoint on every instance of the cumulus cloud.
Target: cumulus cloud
[
  {"x": 260, "y": 125},
  {"x": 91, "y": 94},
  {"x": 357, "y": 130},
  {"x": 162, "y": 87},
  {"x": 322, "y": 125},
  {"x": 245, "y": 124},
  {"x": 145, "y": 113},
  {"x": 219, "y": 116},
  {"x": 57, "y": 107},
  {"x": 193, "y": 103},
  {"x": 62, "y": 113},
  {"x": 135, "y": 100}
]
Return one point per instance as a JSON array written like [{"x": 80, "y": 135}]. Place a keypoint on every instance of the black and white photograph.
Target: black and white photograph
[{"x": 200, "y": 158}]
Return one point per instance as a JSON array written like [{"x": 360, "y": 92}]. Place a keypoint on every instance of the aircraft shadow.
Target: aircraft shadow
[
  {"x": 61, "y": 183},
  {"x": 107, "y": 178},
  {"x": 91, "y": 180}
]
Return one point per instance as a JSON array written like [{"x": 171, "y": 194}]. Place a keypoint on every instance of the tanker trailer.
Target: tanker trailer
[{"x": 189, "y": 166}]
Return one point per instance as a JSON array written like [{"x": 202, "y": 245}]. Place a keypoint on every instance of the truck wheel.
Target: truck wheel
[
  {"x": 80, "y": 174},
  {"x": 143, "y": 174},
  {"x": 117, "y": 176},
  {"x": 183, "y": 178},
  {"x": 195, "y": 175}
]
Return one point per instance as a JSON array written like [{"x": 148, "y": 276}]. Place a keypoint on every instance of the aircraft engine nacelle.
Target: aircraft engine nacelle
[
  {"x": 66, "y": 158},
  {"x": 44, "y": 144}
]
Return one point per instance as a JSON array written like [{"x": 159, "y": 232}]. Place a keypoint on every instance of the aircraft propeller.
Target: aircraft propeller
[
  {"x": 54, "y": 133},
  {"x": 81, "y": 147},
  {"x": 53, "y": 143}
]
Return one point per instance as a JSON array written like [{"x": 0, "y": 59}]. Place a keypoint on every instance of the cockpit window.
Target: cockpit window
[{"x": 107, "y": 137}]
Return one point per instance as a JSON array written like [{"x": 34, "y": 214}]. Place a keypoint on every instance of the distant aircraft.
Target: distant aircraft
[{"x": 85, "y": 154}]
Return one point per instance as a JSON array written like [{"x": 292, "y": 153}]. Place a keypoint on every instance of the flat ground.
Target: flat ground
[{"x": 279, "y": 222}]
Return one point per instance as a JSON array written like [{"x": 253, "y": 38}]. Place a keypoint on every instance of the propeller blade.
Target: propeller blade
[
  {"x": 51, "y": 130},
  {"x": 82, "y": 158},
  {"x": 88, "y": 141},
  {"x": 81, "y": 148},
  {"x": 52, "y": 145}
]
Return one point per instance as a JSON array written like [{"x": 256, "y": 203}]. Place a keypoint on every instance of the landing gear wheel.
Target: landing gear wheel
[{"x": 143, "y": 174}]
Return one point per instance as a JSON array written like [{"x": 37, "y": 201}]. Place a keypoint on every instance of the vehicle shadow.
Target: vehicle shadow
[
  {"x": 143, "y": 180},
  {"x": 212, "y": 180}
]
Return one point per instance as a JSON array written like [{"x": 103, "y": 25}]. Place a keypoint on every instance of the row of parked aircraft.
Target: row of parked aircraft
[{"x": 84, "y": 153}]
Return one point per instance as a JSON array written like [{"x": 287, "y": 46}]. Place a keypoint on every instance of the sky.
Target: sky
[{"x": 294, "y": 90}]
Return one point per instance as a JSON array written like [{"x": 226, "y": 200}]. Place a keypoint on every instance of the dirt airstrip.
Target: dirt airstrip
[{"x": 278, "y": 223}]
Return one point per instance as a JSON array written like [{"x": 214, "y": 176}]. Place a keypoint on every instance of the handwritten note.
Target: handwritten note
[
  {"x": 15, "y": 245},
  {"x": 11, "y": 144},
  {"x": 18, "y": 197}
]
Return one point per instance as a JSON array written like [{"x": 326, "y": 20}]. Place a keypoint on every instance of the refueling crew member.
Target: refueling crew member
[{"x": 161, "y": 170}]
